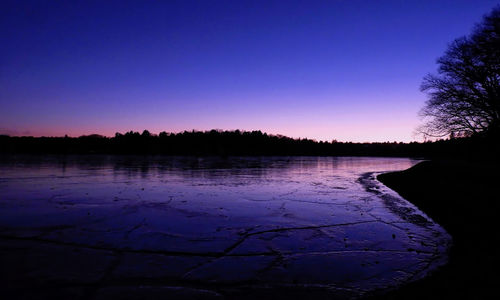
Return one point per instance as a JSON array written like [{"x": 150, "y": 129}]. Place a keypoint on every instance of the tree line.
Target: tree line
[{"x": 239, "y": 143}]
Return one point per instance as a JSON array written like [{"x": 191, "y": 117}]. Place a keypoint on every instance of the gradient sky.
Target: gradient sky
[{"x": 339, "y": 69}]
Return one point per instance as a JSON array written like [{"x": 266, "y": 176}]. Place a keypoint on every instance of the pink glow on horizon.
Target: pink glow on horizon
[
  {"x": 357, "y": 133},
  {"x": 322, "y": 121}
]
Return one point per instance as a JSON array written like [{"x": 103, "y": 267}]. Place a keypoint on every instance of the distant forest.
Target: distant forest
[{"x": 239, "y": 143}]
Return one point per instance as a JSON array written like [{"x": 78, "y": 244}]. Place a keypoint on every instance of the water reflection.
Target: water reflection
[
  {"x": 145, "y": 166},
  {"x": 276, "y": 221}
]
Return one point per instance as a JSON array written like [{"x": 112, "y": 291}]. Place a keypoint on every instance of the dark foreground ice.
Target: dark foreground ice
[{"x": 133, "y": 227}]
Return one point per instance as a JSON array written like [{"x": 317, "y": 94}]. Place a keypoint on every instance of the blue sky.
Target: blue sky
[{"x": 345, "y": 70}]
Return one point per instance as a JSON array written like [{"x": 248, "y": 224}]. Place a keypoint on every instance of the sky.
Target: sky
[{"x": 324, "y": 70}]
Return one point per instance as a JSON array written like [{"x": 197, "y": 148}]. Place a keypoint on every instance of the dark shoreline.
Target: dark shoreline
[{"x": 462, "y": 197}]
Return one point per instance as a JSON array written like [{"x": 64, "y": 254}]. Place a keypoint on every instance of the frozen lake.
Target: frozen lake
[{"x": 96, "y": 227}]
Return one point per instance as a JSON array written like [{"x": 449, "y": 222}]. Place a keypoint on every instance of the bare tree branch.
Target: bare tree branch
[{"x": 464, "y": 97}]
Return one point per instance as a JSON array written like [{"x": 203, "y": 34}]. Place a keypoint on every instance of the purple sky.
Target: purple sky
[{"x": 345, "y": 70}]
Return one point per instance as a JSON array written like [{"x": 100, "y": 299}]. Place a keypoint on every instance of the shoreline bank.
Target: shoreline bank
[{"x": 460, "y": 196}]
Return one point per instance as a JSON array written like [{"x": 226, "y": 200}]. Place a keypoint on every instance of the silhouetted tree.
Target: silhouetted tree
[
  {"x": 146, "y": 134},
  {"x": 464, "y": 98}
]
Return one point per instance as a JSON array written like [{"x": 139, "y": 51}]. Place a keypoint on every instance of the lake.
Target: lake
[{"x": 99, "y": 227}]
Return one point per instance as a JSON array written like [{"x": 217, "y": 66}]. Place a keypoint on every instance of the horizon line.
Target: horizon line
[{"x": 28, "y": 134}]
